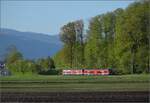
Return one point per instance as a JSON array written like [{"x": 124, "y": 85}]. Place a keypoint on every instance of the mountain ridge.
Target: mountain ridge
[{"x": 32, "y": 45}]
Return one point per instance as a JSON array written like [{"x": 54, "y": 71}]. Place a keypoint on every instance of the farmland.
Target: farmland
[
  {"x": 38, "y": 83},
  {"x": 37, "y": 88}
]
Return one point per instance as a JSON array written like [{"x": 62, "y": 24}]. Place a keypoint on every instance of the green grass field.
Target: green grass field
[{"x": 38, "y": 83}]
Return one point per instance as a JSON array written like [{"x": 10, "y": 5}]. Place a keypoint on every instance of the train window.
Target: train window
[
  {"x": 105, "y": 71},
  {"x": 99, "y": 72},
  {"x": 91, "y": 71}
]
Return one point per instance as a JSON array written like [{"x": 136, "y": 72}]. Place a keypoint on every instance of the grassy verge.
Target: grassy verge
[{"x": 38, "y": 83}]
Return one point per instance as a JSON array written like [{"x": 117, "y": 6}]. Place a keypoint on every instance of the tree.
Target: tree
[
  {"x": 137, "y": 19},
  {"x": 79, "y": 44},
  {"x": 108, "y": 30},
  {"x": 117, "y": 40},
  {"x": 68, "y": 37},
  {"x": 45, "y": 64},
  {"x": 13, "y": 55},
  {"x": 92, "y": 48},
  {"x": 132, "y": 37},
  {"x": 51, "y": 63},
  {"x": 60, "y": 60}
]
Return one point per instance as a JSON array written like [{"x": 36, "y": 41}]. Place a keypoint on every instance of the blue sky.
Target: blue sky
[{"x": 48, "y": 16}]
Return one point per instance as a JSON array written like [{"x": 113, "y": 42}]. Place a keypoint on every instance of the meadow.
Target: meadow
[{"x": 40, "y": 83}]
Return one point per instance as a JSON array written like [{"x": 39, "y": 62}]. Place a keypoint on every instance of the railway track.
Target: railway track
[{"x": 80, "y": 97}]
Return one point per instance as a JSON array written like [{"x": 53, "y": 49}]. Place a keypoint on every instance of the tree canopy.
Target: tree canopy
[{"x": 118, "y": 40}]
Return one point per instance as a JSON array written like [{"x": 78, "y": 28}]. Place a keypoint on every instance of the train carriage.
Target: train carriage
[{"x": 86, "y": 72}]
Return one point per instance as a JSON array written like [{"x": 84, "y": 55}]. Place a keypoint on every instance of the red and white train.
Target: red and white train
[{"x": 87, "y": 72}]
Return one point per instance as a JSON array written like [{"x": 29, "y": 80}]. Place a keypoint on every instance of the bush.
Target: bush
[
  {"x": 49, "y": 72},
  {"x": 22, "y": 67}
]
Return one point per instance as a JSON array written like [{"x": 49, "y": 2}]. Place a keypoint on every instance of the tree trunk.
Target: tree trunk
[
  {"x": 71, "y": 55},
  {"x": 133, "y": 59}
]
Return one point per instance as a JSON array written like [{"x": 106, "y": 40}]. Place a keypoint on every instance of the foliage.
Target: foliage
[
  {"x": 92, "y": 49},
  {"x": 73, "y": 51},
  {"x": 117, "y": 40},
  {"x": 45, "y": 64},
  {"x": 13, "y": 55},
  {"x": 132, "y": 38},
  {"x": 18, "y": 65}
]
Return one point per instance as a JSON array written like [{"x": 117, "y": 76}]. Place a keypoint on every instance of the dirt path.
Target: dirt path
[{"x": 64, "y": 97}]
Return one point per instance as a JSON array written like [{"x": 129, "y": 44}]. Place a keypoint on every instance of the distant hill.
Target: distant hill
[{"x": 31, "y": 45}]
